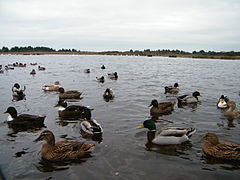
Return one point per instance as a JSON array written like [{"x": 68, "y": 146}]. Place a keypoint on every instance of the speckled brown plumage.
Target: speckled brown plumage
[
  {"x": 63, "y": 150},
  {"x": 219, "y": 149}
]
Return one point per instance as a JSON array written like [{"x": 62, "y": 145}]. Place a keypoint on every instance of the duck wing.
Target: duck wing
[{"x": 164, "y": 105}]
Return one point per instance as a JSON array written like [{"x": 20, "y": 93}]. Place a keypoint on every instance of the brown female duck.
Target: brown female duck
[
  {"x": 219, "y": 149},
  {"x": 62, "y": 150},
  {"x": 23, "y": 121},
  {"x": 163, "y": 108},
  {"x": 232, "y": 112},
  {"x": 68, "y": 94}
]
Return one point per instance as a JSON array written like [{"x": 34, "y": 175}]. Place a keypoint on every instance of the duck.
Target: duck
[
  {"x": 188, "y": 99},
  {"x": 68, "y": 94},
  {"x": 232, "y": 111},
  {"x": 17, "y": 91},
  {"x": 163, "y": 108},
  {"x": 41, "y": 68},
  {"x": 113, "y": 75},
  {"x": 87, "y": 70},
  {"x": 33, "y": 72},
  {"x": 62, "y": 151},
  {"x": 70, "y": 112},
  {"x": 90, "y": 127},
  {"x": 54, "y": 87},
  {"x": 108, "y": 94},
  {"x": 9, "y": 68},
  {"x": 33, "y": 64},
  {"x": 101, "y": 79},
  {"x": 167, "y": 136},
  {"x": 172, "y": 89},
  {"x": 222, "y": 102},
  {"x": 103, "y": 67},
  {"x": 23, "y": 121},
  {"x": 220, "y": 149}
]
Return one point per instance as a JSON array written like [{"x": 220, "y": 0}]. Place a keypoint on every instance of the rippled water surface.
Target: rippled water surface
[{"x": 122, "y": 153}]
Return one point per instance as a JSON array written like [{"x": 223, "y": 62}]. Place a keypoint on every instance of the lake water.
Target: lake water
[{"x": 122, "y": 153}]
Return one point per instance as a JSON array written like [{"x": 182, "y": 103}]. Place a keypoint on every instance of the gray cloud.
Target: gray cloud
[{"x": 121, "y": 25}]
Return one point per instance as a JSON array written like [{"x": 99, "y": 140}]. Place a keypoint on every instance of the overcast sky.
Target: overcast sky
[{"x": 98, "y": 25}]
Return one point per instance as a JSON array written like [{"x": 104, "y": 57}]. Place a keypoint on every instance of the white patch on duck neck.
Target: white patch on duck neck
[
  {"x": 10, "y": 118},
  {"x": 222, "y": 104},
  {"x": 61, "y": 108}
]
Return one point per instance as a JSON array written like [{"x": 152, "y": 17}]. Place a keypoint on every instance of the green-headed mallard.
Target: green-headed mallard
[
  {"x": 41, "y": 68},
  {"x": 23, "y": 121},
  {"x": 172, "y": 89},
  {"x": 68, "y": 94},
  {"x": 90, "y": 128},
  {"x": 70, "y": 112},
  {"x": 108, "y": 94},
  {"x": 168, "y": 136},
  {"x": 87, "y": 70},
  {"x": 231, "y": 111},
  {"x": 54, "y": 87},
  {"x": 186, "y": 99},
  {"x": 103, "y": 67},
  {"x": 222, "y": 102},
  {"x": 219, "y": 149},
  {"x": 33, "y": 72},
  {"x": 101, "y": 79},
  {"x": 113, "y": 75},
  {"x": 63, "y": 150},
  {"x": 163, "y": 108}
]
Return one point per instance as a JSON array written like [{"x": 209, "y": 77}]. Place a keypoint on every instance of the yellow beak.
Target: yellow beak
[{"x": 140, "y": 127}]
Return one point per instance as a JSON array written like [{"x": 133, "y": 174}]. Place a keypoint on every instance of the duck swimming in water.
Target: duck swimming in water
[
  {"x": 62, "y": 150},
  {"x": 54, "y": 87},
  {"x": 222, "y": 102},
  {"x": 232, "y": 111},
  {"x": 23, "y": 121},
  {"x": 18, "y": 92},
  {"x": 167, "y": 136},
  {"x": 68, "y": 94},
  {"x": 159, "y": 109},
  {"x": 101, "y": 79},
  {"x": 186, "y": 99},
  {"x": 172, "y": 89},
  {"x": 108, "y": 94},
  {"x": 113, "y": 75},
  {"x": 220, "y": 149},
  {"x": 70, "y": 112}
]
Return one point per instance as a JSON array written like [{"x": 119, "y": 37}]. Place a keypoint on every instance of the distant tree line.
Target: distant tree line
[
  {"x": 34, "y": 49},
  {"x": 133, "y": 52}
]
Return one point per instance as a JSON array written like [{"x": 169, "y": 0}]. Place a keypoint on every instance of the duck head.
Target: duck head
[
  {"x": 176, "y": 85},
  {"x": 154, "y": 103},
  {"x": 47, "y": 136},
  {"x": 16, "y": 85},
  {"x": 87, "y": 113},
  {"x": 61, "y": 90},
  {"x": 12, "y": 111},
  {"x": 61, "y": 104},
  {"x": 211, "y": 138},
  {"x": 196, "y": 94},
  {"x": 149, "y": 124}
]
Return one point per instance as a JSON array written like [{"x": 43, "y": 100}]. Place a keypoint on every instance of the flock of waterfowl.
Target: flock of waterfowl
[{"x": 73, "y": 150}]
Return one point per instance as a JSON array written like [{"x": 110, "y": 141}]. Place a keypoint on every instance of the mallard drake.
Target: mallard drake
[
  {"x": 90, "y": 127},
  {"x": 113, "y": 75},
  {"x": 231, "y": 111},
  {"x": 62, "y": 150},
  {"x": 17, "y": 91},
  {"x": 70, "y": 112},
  {"x": 222, "y": 102},
  {"x": 188, "y": 99},
  {"x": 23, "y": 121},
  {"x": 163, "y": 108},
  {"x": 9, "y": 68},
  {"x": 87, "y": 70},
  {"x": 219, "y": 149},
  {"x": 168, "y": 136},
  {"x": 172, "y": 89},
  {"x": 108, "y": 94},
  {"x": 101, "y": 79},
  {"x": 54, "y": 87},
  {"x": 103, "y": 67},
  {"x": 40, "y": 68},
  {"x": 68, "y": 94},
  {"x": 33, "y": 64},
  {"x": 33, "y": 72}
]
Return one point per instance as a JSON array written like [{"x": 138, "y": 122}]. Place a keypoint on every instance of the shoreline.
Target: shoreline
[{"x": 171, "y": 55}]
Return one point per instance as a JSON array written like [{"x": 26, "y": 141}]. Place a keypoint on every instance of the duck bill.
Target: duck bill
[
  {"x": 140, "y": 127},
  {"x": 38, "y": 139}
]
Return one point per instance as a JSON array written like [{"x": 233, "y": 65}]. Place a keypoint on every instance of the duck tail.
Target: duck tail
[{"x": 190, "y": 132}]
